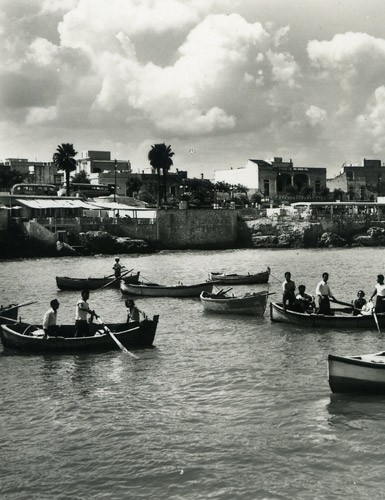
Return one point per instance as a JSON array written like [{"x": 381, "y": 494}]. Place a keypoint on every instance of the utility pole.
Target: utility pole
[{"x": 115, "y": 164}]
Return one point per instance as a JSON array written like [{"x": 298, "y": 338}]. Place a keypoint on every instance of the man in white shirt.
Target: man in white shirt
[
  {"x": 324, "y": 294},
  {"x": 49, "y": 320},
  {"x": 82, "y": 310}
]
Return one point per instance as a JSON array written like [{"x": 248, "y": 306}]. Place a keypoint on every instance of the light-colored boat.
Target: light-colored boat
[
  {"x": 339, "y": 320},
  {"x": 240, "y": 279},
  {"x": 155, "y": 290},
  {"x": 251, "y": 304},
  {"x": 365, "y": 373}
]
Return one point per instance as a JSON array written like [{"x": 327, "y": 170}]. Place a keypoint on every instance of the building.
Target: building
[
  {"x": 360, "y": 182},
  {"x": 95, "y": 162},
  {"x": 275, "y": 178},
  {"x": 37, "y": 172}
]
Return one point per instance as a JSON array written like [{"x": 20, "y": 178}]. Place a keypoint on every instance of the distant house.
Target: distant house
[
  {"x": 37, "y": 172},
  {"x": 360, "y": 182},
  {"x": 272, "y": 178}
]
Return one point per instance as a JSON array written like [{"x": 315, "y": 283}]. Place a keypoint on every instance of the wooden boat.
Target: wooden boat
[
  {"x": 240, "y": 279},
  {"x": 65, "y": 283},
  {"x": 339, "y": 320},
  {"x": 155, "y": 290},
  {"x": 251, "y": 304},
  {"x": 365, "y": 373},
  {"x": 26, "y": 337},
  {"x": 8, "y": 313}
]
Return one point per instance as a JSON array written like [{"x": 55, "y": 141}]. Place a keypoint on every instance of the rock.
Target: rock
[
  {"x": 264, "y": 241},
  {"x": 105, "y": 243},
  {"x": 63, "y": 249},
  {"x": 376, "y": 232},
  {"x": 262, "y": 226},
  {"x": 331, "y": 240}
]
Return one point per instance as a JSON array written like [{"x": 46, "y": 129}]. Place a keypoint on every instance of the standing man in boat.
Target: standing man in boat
[
  {"x": 324, "y": 294},
  {"x": 49, "y": 320},
  {"x": 380, "y": 292},
  {"x": 82, "y": 310},
  {"x": 288, "y": 287},
  {"x": 117, "y": 267}
]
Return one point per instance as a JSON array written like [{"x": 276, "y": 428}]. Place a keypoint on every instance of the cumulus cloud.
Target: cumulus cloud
[
  {"x": 42, "y": 51},
  {"x": 315, "y": 115},
  {"x": 372, "y": 121},
  {"x": 38, "y": 115}
]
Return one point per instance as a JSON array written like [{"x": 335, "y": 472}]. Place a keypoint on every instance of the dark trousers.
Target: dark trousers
[
  {"x": 324, "y": 305},
  {"x": 82, "y": 328}
]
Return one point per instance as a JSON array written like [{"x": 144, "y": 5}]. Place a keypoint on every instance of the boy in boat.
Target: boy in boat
[
  {"x": 133, "y": 312},
  {"x": 49, "y": 320},
  {"x": 303, "y": 300},
  {"x": 324, "y": 294},
  {"x": 117, "y": 267},
  {"x": 380, "y": 292},
  {"x": 359, "y": 303},
  {"x": 288, "y": 287},
  {"x": 82, "y": 309}
]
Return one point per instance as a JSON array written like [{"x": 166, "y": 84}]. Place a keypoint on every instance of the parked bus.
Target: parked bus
[
  {"x": 35, "y": 189},
  {"x": 87, "y": 190}
]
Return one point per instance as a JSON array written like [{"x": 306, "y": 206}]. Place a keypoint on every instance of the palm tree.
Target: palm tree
[
  {"x": 64, "y": 160},
  {"x": 159, "y": 157}
]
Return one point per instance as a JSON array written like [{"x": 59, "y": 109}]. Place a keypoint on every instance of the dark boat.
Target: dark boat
[
  {"x": 362, "y": 374},
  {"x": 240, "y": 279},
  {"x": 8, "y": 313},
  {"x": 66, "y": 283},
  {"x": 29, "y": 338},
  {"x": 339, "y": 320}
]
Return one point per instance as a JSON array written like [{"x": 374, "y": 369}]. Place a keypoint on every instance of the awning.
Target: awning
[{"x": 59, "y": 203}]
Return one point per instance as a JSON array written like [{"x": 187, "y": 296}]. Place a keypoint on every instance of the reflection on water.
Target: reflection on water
[{"x": 222, "y": 408}]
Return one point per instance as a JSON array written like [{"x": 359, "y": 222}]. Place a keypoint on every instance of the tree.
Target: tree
[
  {"x": 133, "y": 185},
  {"x": 81, "y": 177},
  {"x": 64, "y": 159},
  {"x": 9, "y": 178},
  {"x": 160, "y": 157}
]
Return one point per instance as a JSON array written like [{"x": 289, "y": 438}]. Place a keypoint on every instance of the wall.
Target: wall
[
  {"x": 3, "y": 218},
  {"x": 197, "y": 228},
  {"x": 38, "y": 232}
]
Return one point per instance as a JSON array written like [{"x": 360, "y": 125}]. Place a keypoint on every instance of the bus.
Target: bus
[
  {"x": 34, "y": 189},
  {"x": 86, "y": 190}
]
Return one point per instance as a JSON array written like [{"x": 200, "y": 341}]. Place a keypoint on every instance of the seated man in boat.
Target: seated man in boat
[
  {"x": 303, "y": 301},
  {"x": 359, "y": 303},
  {"x": 49, "y": 320},
  {"x": 379, "y": 292},
  {"x": 82, "y": 310},
  {"x": 324, "y": 294},
  {"x": 133, "y": 313},
  {"x": 288, "y": 287}
]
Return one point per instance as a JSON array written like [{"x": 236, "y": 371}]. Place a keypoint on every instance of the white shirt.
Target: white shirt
[
  {"x": 380, "y": 290},
  {"x": 323, "y": 289},
  {"x": 49, "y": 318},
  {"x": 81, "y": 315}
]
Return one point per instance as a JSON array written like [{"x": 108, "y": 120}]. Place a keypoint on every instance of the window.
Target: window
[
  {"x": 349, "y": 175},
  {"x": 266, "y": 187},
  {"x": 317, "y": 186},
  {"x": 362, "y": 192}
]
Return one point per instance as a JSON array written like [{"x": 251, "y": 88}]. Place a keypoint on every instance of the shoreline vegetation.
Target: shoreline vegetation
[{"x": 251, "y": 233}]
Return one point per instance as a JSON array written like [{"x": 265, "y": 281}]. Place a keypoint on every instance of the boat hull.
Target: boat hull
[
  {"x": 339, "y": 321},
  {"x": 251, "y": 305},
  {"x": 132, "y": 335},
  {"x": 240, "y": 279},
  {"x": 153, "y": 290},
  {"x": 66, "y": 283},
  {"x": 361, "y": 374}
]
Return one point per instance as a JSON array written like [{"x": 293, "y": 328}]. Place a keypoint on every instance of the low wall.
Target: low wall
[{"x": 178, "y": 229}]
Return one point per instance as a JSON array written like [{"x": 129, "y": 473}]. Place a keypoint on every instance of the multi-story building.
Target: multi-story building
[
  {"x": 272, "y": 178},
  {"x": 360, "y": 182},
  {"x": 37, "y": 172}
]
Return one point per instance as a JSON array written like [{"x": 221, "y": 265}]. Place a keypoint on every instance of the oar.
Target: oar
[
  {"x": 118, "y": 343},
  {"x": 19, "y": 305},
  {"x": 224, "y": 292},
  {"x": 376, "y": 320},
  {"x": 113, "y": 281}
]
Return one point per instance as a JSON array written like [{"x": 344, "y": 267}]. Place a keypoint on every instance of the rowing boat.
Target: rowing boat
[
  {"x": 66, "y": 283},
  {"x": 364, "y": 373},
  {"x": 240, "y": 279},
  {"x": 8, "y": 313},
  {"x": 29, "y": 338},
  {"x": 251, "y": 304},
  {"x": 155, "y": 290},
  {"x": 339, "y": 320}
]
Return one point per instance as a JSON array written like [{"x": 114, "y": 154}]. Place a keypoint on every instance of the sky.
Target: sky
[{"x": 219, "y": 81}]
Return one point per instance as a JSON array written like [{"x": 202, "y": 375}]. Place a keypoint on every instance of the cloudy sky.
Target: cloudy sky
[{"x": 220, "y": 81}]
